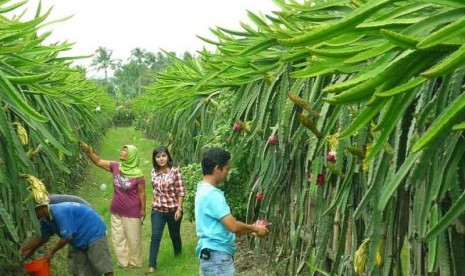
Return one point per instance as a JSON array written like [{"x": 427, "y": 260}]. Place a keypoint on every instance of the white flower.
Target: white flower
[
  {"x": 103, "y": 187},
  {"x": 312, "y": 4},
  {"x": 97, "y": 108}
]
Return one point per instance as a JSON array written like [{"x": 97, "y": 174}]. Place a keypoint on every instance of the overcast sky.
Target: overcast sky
[{"x": 150, "y": 24}]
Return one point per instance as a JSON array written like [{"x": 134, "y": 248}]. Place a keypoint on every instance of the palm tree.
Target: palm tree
[
  {"x": 138, "y": 56},
  {"x": 150, "y": 60},
  {"x": 103, "y": 61}
]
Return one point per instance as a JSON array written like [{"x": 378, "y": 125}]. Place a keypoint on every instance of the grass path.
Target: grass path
[{"x": 109, "y": 148}]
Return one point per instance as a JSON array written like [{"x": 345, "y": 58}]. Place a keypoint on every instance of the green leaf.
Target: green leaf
[
  {"x": 444, "y": 120},
  {"x": 258, "y": 47},
  {"x": 364, "y": 118},
  {"x": 401, "y": 88},
  {"x": 452, "y": 30},
  {"x": 8, "y": 222},
  {"x": 11, "y": 96},
  {"x": 343, "y": 25},
  {"x": 399, "y": 39},
  {"x": 392, "y": 186},
  {"x": 390, "y": 23},
  {"x": 447, "y": 65},
  {"x": 450, "y": 3},
  {"x": 12, "y": 7},
  {"x": 28, "y": 79},
  {"x": 454, "y": 212},
  {"x": 460, "y": 126}
]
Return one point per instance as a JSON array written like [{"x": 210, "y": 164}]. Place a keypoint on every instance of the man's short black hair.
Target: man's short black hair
[{"x": 212, "y": 157}]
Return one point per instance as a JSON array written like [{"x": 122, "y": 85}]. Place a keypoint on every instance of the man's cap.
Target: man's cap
[{"x": 41, "y": 203}]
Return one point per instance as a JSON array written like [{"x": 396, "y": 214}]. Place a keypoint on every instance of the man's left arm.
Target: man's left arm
[
  {"x": 31, "y": 246},
  {"x": 59, "y": 245}
]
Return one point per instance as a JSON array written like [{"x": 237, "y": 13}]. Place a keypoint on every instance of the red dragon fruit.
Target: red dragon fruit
[
  {"x": 262, "y": 222},
  {"x": 237, "y": 127},
  {"x": 273, "y": 140},
  {"x": 331, "y": 156},
  {"x": 320, "y": 180},
  {"x": 259, "y": 197}
]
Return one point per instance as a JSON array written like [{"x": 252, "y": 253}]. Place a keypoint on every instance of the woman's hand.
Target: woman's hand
[
  {"x": 142, "y": 214},
  {"x": 84, "y": 147},
  {"x": 104, "y": 164},
  {"x": 178, "y": 214}
]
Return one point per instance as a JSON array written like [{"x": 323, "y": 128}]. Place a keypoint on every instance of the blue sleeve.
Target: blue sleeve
[
  {"x": 66, "y": 227},
  {"x": 218, "y": 206}
]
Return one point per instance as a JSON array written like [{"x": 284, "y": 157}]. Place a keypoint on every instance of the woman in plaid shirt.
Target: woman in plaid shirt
[{"x": 168, "y": 195}]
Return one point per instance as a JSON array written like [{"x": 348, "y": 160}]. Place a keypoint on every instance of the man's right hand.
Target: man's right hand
[
  {"x": 261, "y": 231},
  {"x": 27, "y": 253}
]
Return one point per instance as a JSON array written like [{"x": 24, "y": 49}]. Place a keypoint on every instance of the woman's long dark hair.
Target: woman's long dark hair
[{"x": 158, "y": 150}]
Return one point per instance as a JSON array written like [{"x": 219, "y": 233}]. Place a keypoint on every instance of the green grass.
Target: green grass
[{"x": 109, "y": 149}]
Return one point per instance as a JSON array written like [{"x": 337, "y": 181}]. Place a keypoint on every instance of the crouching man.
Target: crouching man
[{"x": 79, "y": 226}]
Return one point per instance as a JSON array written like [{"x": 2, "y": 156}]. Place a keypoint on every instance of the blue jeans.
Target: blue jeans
[
  {"x": 220, "y": 264},
  {"x": 158, "y": 225}
]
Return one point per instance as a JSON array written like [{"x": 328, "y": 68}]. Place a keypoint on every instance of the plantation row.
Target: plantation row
[
  {"x": 47, "y": 108},
  {"x": 344, "y": 120}
]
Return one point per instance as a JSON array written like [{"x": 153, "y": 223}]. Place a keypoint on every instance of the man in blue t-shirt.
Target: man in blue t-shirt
[
  {"x": 74, "y": 254},
  {"x": 216, "y": 227},
  {"x": 78, "y": 225}
]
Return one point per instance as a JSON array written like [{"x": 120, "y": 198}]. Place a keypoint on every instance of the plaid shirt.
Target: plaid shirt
[{"x": 167, "y": 187}]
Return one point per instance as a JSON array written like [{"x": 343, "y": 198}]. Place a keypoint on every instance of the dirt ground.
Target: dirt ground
[{"x": 249, "y": 263}]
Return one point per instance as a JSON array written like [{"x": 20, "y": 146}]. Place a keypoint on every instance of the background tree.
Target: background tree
[
  {"x": 130, "y": 78},
  {"x": 187, "y": 56},
  {"x": 103, "y": 60},
  {"x": 150, "y": 60},
  {"x": 138, "y": 72},
  {"x": 138, "y": 56}
]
